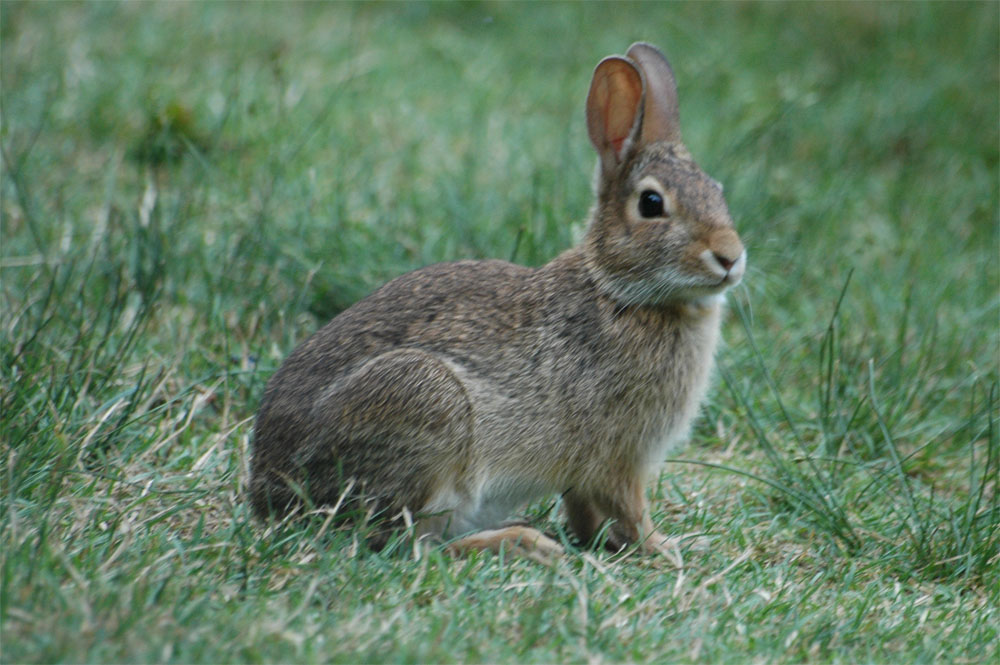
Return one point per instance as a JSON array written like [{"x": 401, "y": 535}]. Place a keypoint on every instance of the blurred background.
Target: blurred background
[
  {"x": 188, "y": 190},
  {"x": 239, "y": 174}
]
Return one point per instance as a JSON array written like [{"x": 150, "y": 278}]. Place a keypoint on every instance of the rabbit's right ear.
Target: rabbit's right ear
[{"x": 614, "y": 110}]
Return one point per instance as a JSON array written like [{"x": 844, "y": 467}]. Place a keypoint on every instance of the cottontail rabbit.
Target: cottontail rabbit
[{"x": 461, "y": 391}]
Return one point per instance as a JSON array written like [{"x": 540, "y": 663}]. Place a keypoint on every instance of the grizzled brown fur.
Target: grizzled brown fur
[{"x": 461, "y": 391}]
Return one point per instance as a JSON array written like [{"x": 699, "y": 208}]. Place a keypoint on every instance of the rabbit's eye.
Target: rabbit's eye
[{"x": 650, "y": 204}]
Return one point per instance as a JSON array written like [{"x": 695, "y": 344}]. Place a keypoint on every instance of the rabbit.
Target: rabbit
[{"x": 457, "y": 393}]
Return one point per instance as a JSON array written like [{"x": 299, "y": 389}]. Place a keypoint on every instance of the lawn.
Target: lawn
[{"x": 190, "y": 189}]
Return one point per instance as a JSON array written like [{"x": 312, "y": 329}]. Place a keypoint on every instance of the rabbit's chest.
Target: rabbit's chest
[{"x": 654, "y": 392}]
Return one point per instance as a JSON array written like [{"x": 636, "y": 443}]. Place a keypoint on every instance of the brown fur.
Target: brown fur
[{"x": 463, "y": 390}]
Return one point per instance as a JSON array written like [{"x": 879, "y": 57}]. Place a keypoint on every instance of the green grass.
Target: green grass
[{"x": 188, "y": 190}]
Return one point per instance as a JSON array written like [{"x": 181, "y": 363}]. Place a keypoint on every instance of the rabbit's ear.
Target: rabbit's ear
[
  {"x": 614, "y": 109},
  {"x": 661, "y": 120}
]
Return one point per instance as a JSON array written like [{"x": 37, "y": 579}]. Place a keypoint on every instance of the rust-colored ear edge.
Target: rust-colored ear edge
[{"x": 661, "y": 117}]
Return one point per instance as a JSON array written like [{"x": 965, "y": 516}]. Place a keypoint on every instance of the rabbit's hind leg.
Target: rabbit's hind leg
[{"x": 399, "y": 427}]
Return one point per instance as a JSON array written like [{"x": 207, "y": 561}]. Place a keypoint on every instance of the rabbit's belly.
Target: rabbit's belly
[{"x": 496, "y": 501}]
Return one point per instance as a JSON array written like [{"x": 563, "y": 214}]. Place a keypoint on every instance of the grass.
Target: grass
[{"x": 190, "y": 189}]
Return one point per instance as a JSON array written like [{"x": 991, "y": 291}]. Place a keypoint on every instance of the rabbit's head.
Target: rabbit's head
[{"x": 661, "y": 232}]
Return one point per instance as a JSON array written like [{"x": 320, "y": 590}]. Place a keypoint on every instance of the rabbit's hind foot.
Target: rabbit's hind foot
[{"x": 519, "y": 540}]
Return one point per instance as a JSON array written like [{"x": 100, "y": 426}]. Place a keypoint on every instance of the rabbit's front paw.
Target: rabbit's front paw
[{"x": 669, "y": 548}]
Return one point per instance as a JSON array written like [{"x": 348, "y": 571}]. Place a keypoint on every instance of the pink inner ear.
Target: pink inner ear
[{"x": 619, "y": 125}]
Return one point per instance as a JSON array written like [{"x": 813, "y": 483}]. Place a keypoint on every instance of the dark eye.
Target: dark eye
[{"x": 650, "y": 204}]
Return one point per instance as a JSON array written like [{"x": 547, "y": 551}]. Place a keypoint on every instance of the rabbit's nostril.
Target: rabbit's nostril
[{"x": 725, "y": 261}]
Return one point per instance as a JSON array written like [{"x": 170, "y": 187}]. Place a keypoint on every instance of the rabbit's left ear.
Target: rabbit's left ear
[
  {"x": 614, "y": 110},
  {"x": 661, "y": 119}
]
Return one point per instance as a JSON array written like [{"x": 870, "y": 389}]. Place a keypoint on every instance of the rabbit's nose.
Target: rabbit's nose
[
  {"x": 724, "y": 261},
  {"x": 725, "y": 248}
]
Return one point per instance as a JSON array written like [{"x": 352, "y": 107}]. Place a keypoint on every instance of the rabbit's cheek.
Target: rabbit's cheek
[{"x": 633, "y": 248}]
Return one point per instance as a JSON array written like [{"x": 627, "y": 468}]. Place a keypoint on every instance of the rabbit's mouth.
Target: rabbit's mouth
[
  {"x": 670, "y": 287},
  {"x": 732, "y": 278}
]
